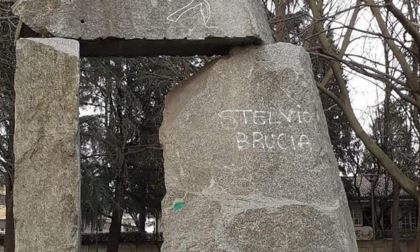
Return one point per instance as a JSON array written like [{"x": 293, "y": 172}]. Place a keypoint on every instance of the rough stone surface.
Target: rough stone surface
[
  {"x": 146, "y": 19},
  {"x": 46, "y": 189},
  {"x": 248, "y": 161}
]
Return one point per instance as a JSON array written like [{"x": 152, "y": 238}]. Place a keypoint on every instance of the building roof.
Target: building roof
[{"x": 361, "y": 186}]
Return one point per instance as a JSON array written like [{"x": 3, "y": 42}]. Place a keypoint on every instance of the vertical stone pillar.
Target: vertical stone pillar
[
  {"x": 248, "y": 161},
  {"x": 47, "y": 174}
]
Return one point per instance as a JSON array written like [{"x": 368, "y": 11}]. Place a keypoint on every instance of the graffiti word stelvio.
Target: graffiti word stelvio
[{"x": 270, "y": 137}]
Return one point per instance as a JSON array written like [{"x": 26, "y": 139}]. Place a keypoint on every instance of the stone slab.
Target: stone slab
[
  {"x": 248, "y": 161},
  {"x": 146, "y": 19},
  {"x": 46, "y": 189}
]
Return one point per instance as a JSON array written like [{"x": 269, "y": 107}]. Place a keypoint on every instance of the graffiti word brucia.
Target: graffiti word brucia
[{"x": 267, "y": 139}]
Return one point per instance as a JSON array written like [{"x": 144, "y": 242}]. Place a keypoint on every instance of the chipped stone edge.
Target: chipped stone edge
[{"x": 261, "y": 26}]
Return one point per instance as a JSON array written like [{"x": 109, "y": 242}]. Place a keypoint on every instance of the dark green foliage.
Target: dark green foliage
[
  {"x": 122, "y": 163},
  {"x": 395, "y": 133},
  {"x": 8, "y": 23},
  {"x": 8, "y": 27},
  {"x": 347, "y": 148}
]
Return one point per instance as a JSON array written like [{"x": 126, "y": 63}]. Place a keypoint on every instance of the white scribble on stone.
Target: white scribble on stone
[
  {"x": 154, "y": 3},
  {"x": 205, "y": 11},
  {"x": 287, "y": 94}
]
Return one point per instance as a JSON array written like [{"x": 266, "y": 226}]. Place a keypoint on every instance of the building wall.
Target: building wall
[{"x": 385, "y": 246}]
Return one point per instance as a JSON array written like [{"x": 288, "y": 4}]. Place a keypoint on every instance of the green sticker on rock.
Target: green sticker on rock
[{"x": 178, "y": 205}]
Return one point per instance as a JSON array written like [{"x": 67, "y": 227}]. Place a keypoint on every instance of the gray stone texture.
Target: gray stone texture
[
  {"x": 46, "y": 191},
  {"x": 146, "y": 19},
  {"x": 248, "y": 161}
]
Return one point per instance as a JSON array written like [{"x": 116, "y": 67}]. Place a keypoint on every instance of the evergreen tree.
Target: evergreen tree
[
  {"x": 122, "y": 162},
  {"x": 8, "y": 24}
]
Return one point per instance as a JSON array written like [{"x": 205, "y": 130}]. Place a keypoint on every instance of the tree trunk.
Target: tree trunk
[
  {"x": 142, "y": 220},
  {"x": 395, "y": 216},
  {"x": 9, "y": 238},
  {"x": 114, "y": 231},
  {"x": 281, "y": 33},
  {"x": 116, "y": 221}
]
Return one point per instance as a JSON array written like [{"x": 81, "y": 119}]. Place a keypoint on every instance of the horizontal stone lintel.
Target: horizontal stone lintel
[
  {"x": 117, "y": 47},
  {"x": 146, "y": 19}
]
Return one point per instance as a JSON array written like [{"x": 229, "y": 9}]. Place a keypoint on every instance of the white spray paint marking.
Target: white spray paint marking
[
  {"x": 205, "y": 11},
  {"x": 272, "y": 142},
  {"x": 267, "y": 140},
  {"x": 231, "y": 118}
]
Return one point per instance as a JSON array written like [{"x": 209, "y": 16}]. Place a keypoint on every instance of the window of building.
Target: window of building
[
  {"x": 2, "y": 200},
  {"x": 409, "y": 218},
  {"x": 357, "y": 215}
]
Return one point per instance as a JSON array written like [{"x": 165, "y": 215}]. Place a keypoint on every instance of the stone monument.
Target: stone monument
[
  {"x": 248, "y": 161},
  {"x": 47, "y": 176}
]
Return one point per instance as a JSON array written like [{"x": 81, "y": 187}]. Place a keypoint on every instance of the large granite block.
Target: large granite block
[
  {"x": 248, "y": 161},
  {"x": 46, "y": 189},
  {"x": 146, "y": 19}
]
